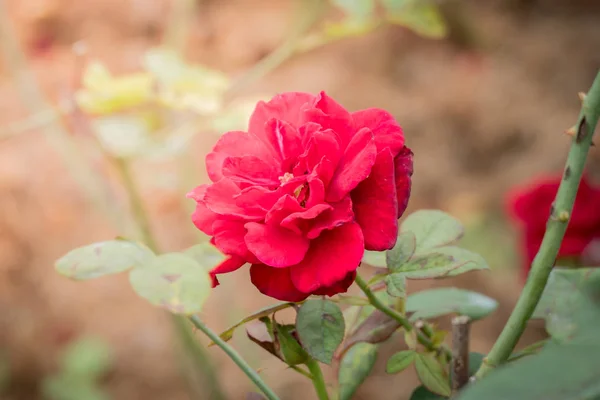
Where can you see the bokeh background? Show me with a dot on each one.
(483, 106)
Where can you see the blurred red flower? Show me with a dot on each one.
(529, 206)
(304, 193)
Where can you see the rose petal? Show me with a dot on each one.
(284, 107)
(230, 264)
(250, 171)
(375, 204)
(285, 206)
(354, 166)
(275, 246)
(220, 198)
(321, 144)
(285, 141)
(300, 221)
(340, 213)
(235, 144)
(386, 130)
(330, 258)
(403, 172)
(339, 287)
(229, 238)
(331, 115)
(202, 217)
(275, 282)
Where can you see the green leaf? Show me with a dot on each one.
(562, 370)
(172, 281)
(431, 374)
(355, 367)
(103, 258)
(402, 252)
(376, 328)
(432, 228)
(400, 361)
(375, 258)
(442, 262)
(320, 326)
(205, 254)
(396, 285)
(287, 345)
(263, 312)
(561, 297)
(422, 393)
(421, 17)
(441, 301)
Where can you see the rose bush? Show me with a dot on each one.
(529, 207)
(303, 193)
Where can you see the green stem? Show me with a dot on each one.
(192, 348)
(402, 320)
(555, 231)
(317, 379)
(235, 357)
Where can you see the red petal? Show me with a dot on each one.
(275, 282)
(376, 206)
(202, 217)
(234, 144)
(285, 107)
(230, 264)
(321, 144)
(330, 258)
(331, 115)
(285, 141)
(285, 206)
(386, 130)
(355, 165)
(403, 172)
(250, 171)
(299, 221)
(339, 287)
(275, 246)
(220, 198)
(340, 213)
(229, 238)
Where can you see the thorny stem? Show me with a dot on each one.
(555, 231)
(402, 320)
(235, 356)
(317, 379)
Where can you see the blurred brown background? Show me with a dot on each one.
(483, 109)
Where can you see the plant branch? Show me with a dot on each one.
(235, 357)
(555, 231)
(402, 320)
(460, 352)
(317, 379)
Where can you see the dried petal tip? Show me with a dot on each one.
(581, 96)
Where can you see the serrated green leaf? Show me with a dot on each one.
(375, 258)
(172, 281)
(103, 258)
(396, 285)
(400, 361)
(432, 228)
(320, 327)
(561, 297)
(205, 254)
(402, 252)
(431, 374)
(355, 367)
(442, 262)
(441, 301)
(263, 312)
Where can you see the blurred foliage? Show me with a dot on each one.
(82, 365)
(156, 111)
(4, 372)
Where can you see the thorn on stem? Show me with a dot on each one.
(563, 216)
(582, 96)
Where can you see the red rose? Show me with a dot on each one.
(530, 207)
(304, 193)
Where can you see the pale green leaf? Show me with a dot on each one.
(441, 301)
(432, 228)
(396, 285)
(442, 262)
(403, 250)
(431, 374)
(173, 281)
(400, 361)
(103, 258)
(355, 367)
